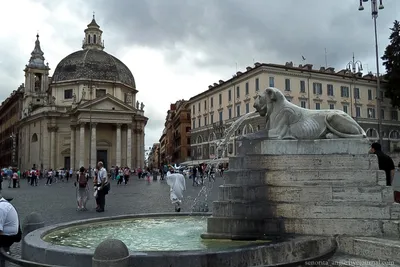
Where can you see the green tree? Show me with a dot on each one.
(391, 61)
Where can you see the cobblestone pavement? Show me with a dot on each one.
(57, 203)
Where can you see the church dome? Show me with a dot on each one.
(93, 64)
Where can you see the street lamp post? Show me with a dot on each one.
(355, 66)
(374, 12)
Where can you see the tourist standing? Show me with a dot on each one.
(103, 187)
(82, 189)
(49, 177)
(9, 225)
(384, 161)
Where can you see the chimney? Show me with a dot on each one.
(221, 81)
(257, 64)
(308, 66)
(215, 84)
(210, 87)
(289, 64)
(238, 73)
(322, 69)
(331, 70)
(248, 68)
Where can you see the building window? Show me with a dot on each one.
(287, 84)
(94, 39)
(303, 104)
(220, 116)
(205, 105)
(194, 110)
(229, 95)
(237, 91)
(212, 102)
(345, 108)
(317, 106)
(68, 94)
(199, 122)
(100, 92)
(229, 113)
(302, 86)
(34, 138)
(220, 99)
(331, 106)
(194, 124)
(211, 118)
(356, 93)
(344, 91)
(238, 111)
(205, 121)
(317, 88)
(329, 89)
(382, 114)
(198, 105)
(371, 113)
(247, 108)
(358, 112)
(247, 88)
(369, 94)
(271, 82)
(394, 115)
(257, 84)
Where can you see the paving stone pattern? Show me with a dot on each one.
(57, 203)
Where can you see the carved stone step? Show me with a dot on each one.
(383, 249)
(245, 177)
(345, 211)
(296, 194)
(305, 162)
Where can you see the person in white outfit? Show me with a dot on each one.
(177, 183)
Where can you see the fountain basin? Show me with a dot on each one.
(153, 240)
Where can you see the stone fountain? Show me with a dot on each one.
(307, 173)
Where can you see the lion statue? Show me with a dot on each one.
(288, 121)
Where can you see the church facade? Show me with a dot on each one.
(85, 113)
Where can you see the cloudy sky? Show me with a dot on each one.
(176, 48)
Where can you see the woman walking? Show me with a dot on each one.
(82, 190)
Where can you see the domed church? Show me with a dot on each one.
(85, 113)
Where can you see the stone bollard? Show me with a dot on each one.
(111, 253)
(32, 222)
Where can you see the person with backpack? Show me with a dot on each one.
(82, 190)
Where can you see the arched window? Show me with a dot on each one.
(371, 132)
(245, 130)
(199, 139)
(89, 39)
(94, 39)
(212, 137)
(34, 138)
(394, 134)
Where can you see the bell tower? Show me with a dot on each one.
(36, 78)
(93, 38)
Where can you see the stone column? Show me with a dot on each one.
(53, 144)
(93, 152)
(129, 146)
(72, 147)
(82, 145)
(142, 146)
(118, 146)
(137, 149)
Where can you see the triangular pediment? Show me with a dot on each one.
(106, 103)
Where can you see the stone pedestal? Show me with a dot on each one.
(316, 187)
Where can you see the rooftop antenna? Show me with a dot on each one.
(93, 14)
(303, 58)
(236, 67)
(326, 59)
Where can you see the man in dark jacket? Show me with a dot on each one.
(384, 161)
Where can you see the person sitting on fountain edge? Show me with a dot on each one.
(10, 230)
(177, 183)
(384, 161)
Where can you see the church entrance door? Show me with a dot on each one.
(102, 156)
(67, 163)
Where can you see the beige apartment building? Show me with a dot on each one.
(216, 108)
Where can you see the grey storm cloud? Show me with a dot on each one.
(228, 31)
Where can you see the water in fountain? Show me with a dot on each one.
(200, 204)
